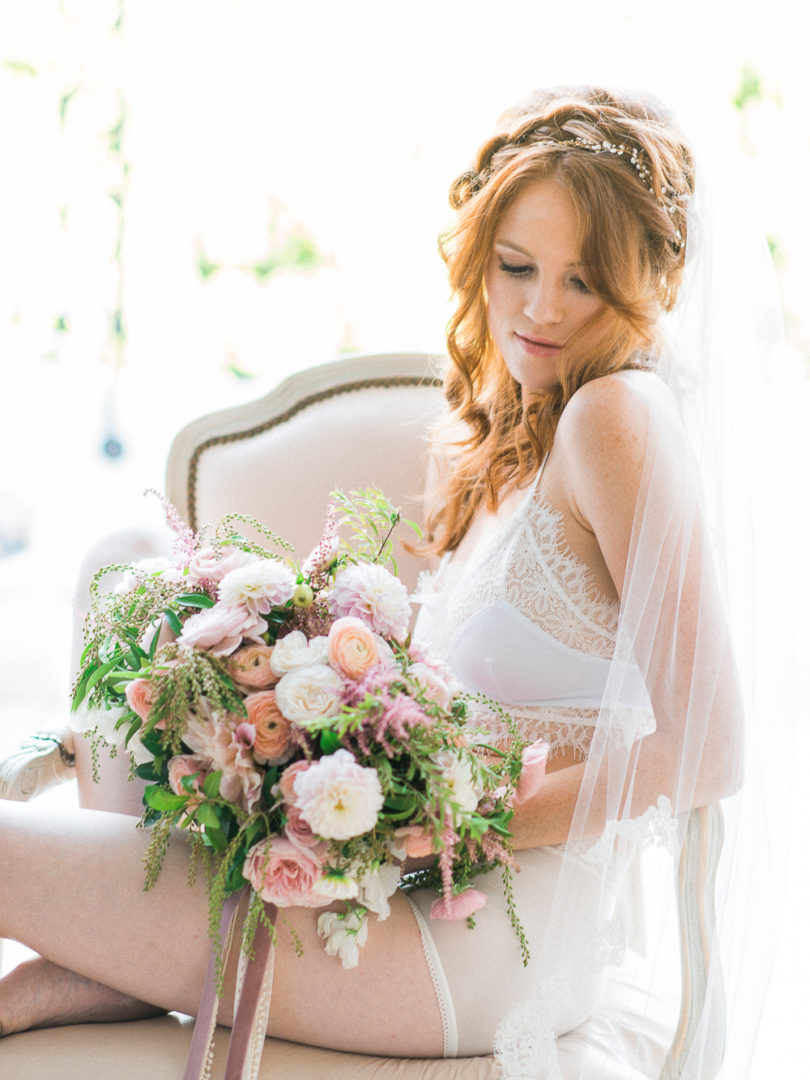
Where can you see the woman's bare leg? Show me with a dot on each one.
(38, 993)
(71, 888)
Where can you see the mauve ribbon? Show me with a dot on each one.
(248, 1010)
(202, 1040)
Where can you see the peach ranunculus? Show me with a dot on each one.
(416, 841)
(272, 742)
(250, 666)
(141, 694)
(354, 649)
(284, 873)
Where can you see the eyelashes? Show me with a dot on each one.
(519, 270)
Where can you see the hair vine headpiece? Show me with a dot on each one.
(632, 153)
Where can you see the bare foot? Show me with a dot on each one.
(38, 994)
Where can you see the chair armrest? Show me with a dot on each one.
(702, 1017)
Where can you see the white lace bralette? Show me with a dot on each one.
(523, 623)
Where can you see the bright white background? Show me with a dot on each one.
(156, 154)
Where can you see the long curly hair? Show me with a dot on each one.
(631, 214)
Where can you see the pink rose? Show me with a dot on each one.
(532, 773)
(212, 564)
(458, 907)
(141, 694)
(353, 648)
(221, 629)
(187, 765)
(250, 666)
(285, 873)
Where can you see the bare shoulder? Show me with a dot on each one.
(604, 426)
(602, 441)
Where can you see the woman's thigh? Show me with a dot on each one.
(71, 887)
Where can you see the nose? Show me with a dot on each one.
(544, 303)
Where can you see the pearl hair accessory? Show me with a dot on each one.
(632, 153)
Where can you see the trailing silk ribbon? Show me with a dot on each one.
(251, 1010)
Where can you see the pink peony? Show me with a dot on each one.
(220, 629)
(285, 873)
(337, 797)
(354, 649)
(369, 592)
(250, 666)
(458, 907)
(533, 772)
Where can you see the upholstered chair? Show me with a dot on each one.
(359, 422)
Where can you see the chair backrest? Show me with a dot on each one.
(358, 422)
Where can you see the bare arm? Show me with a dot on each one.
(694, 756)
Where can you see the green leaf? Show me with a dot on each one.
(158, 798)
(211, 784)
(99, 674)
(195, 600)
(216, 839)
(330, 742)
(173, 621)
(207, 815)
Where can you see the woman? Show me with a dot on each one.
(576, 586)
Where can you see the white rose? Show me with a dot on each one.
(344, 934)
(309, 692)
(294, 651)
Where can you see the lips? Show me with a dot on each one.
(538, 346)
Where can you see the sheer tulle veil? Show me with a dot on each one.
(689, 620)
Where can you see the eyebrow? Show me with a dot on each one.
(527, 254)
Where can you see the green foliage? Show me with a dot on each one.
(749, 90)
(296, 252)
(371, 520)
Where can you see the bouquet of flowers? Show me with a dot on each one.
(281, 713)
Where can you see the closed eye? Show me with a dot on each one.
(580, 285)
(515, 269)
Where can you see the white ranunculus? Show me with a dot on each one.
(294, 651)
(431, 683)
(338, 798)
(343, 934)
(458, 778)
(309, 692)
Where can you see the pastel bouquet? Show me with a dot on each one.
(281, 714)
